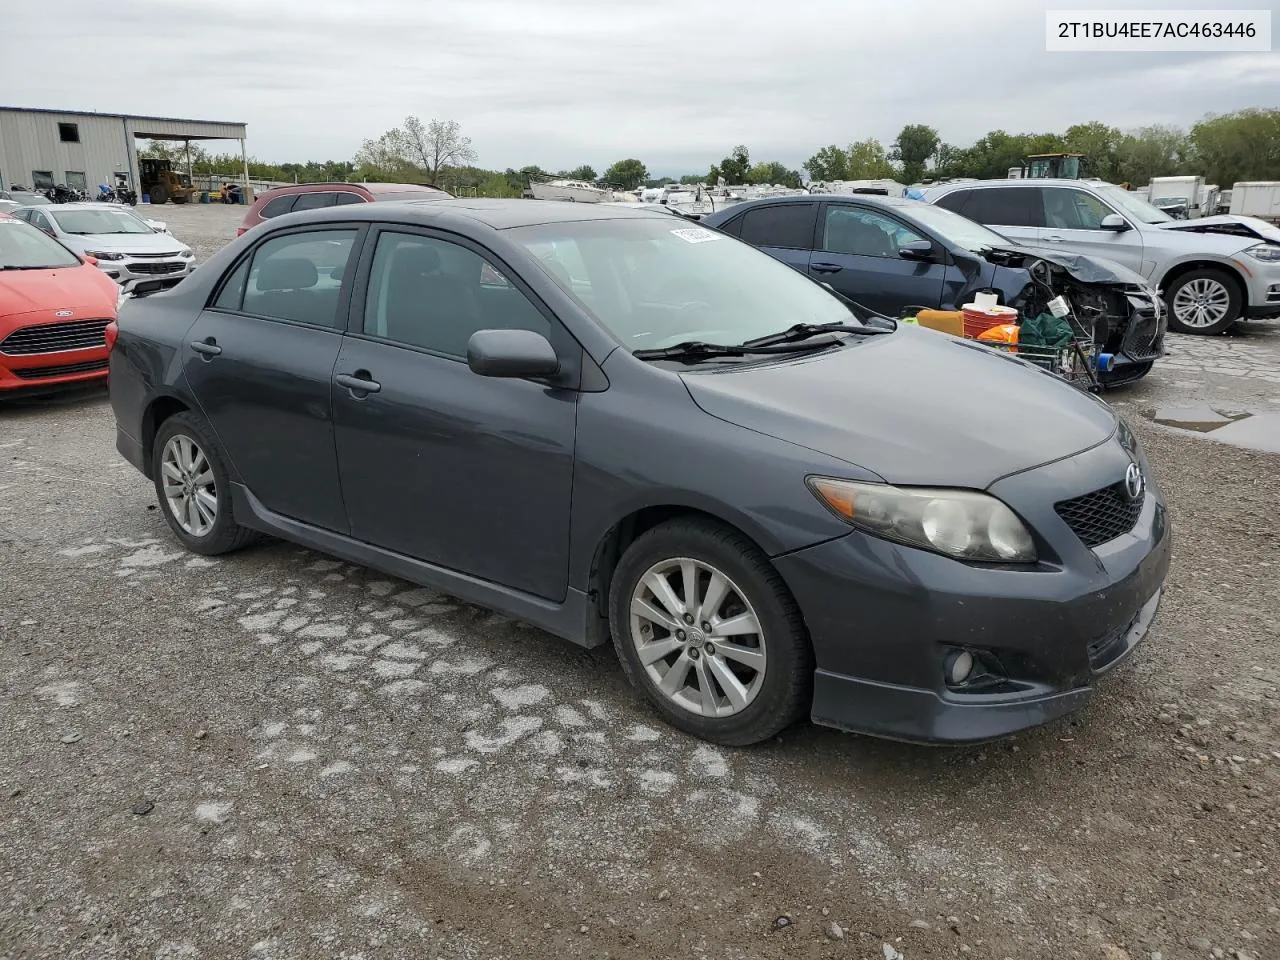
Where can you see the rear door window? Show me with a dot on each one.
(315, 200)
(278, 206)
(345, 197)
(1005, 206)
(787, 225)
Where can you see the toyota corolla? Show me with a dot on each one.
(620, 426)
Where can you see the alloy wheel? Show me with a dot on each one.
(189, 485)
(697, 637)
(1201, 302)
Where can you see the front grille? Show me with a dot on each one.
(149, 256)
(65, 370)
(55, 337)
(1144, 335)
(157, 267)
(1101, 516)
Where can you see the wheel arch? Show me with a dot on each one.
(159, 410)
(1184, 267)
(614, 541)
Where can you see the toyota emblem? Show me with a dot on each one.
(1133, 482)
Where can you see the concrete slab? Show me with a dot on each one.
(1258, 432)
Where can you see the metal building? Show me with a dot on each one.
(40, 148)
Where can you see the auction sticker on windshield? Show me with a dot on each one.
(696, 234)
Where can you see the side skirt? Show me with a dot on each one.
(568, 620)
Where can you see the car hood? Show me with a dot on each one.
(1249, 228)
(83, 289)
(916, 407)
(126, 242)
(1083, 267)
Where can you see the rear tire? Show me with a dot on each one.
(1204, 302)
(740, 669)
(193, 487)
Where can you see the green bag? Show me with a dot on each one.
(1046, 331)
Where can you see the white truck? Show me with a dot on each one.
(1257, 198)
(1180, 197)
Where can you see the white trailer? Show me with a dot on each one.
(1257, 198)
(1166, 192)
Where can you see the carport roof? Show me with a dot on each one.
(154, 128)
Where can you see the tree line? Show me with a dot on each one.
(1225, 149)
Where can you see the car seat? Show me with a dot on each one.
(426, 307)
(285, 289)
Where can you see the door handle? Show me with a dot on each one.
(359, 384)
(207, 348)
(1056, 239)
(825, 267)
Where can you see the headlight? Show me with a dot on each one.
(957, 523)
(104, 255)
(1267, 252)
(186, 254)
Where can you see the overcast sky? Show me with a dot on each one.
(675, 83)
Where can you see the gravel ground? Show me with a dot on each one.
(280, 755)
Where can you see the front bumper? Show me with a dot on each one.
(132, 270)
(884, 619)
(1263, 285)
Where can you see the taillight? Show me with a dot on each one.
(110, 333)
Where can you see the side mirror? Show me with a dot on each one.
(921, 250)
(1113, 221)
(512, 354)
(91, 261)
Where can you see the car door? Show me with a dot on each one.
(260, 364)
(1016, 212)
(858, 253)
(437, 463)
(782, 230)
(1073, 219)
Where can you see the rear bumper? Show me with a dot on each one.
(885, 619)
(131, 449)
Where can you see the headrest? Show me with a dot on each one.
(416, 258)
(287, 273)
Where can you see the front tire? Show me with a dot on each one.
(708, 631)
(1204, 302)
(193, 487)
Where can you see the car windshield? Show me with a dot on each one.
(23, 247)
(960, 231)
(655, 281)
(85, 222)
(1133, 205)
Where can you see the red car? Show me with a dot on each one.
(314, 196)
(55, 308)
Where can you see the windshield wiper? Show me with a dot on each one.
(803, 331)
(694, 350)
(33, 267)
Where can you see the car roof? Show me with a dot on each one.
(1017, 182)
(374, 188)
(498, 214)
(865, 199)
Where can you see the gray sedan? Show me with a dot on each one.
(620, 426)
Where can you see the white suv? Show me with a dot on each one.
(1212, 271)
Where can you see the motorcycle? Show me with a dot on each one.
(61, 193)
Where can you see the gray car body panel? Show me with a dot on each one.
(733, 441)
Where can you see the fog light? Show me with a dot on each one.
(959, 667)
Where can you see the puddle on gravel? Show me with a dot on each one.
(1251, 430)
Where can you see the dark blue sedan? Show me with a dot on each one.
(892, 255)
